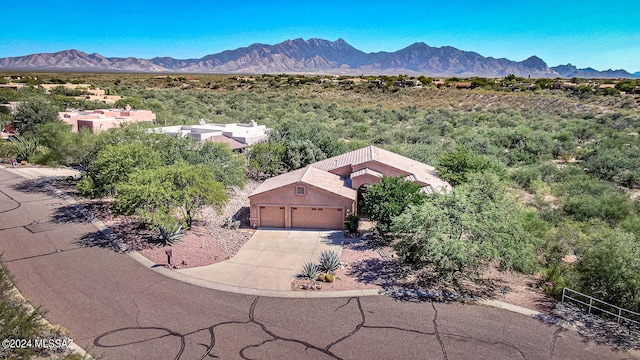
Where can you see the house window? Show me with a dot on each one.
(300, 190)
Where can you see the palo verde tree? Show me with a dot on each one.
(389, 198)
(610, 270)
(266, 158)
(456, 166)
(157, 194)
(114, 164)
(459, 233)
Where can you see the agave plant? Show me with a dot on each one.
(310, 270)
(329, 261)
(170, 234)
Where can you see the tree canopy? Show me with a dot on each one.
(458, 234)
(156, 194)
(389, 198)
(32, 113)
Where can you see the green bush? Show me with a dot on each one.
(351, 222)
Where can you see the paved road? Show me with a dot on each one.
(117, 308)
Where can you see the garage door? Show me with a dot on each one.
(272, 216)
(317, 218)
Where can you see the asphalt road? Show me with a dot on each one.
(118, 309)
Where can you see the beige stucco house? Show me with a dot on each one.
(320, 195)
(103, 119)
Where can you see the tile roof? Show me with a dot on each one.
(421, 172)
(308, 175)
(317, 174)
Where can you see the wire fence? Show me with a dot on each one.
(599, 307)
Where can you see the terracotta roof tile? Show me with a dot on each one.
(317, 174)
(308, 175)
(421, 172)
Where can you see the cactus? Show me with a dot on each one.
(231, 223)
(329, 261)
(321, 277)
(171, 234)
(330, 278)
(310, 270)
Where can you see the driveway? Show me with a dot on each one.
(271, 259)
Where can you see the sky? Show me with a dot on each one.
(588, 33)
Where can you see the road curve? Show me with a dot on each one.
(118, 309)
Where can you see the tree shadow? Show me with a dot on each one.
(381, 272)
(71, 214)
(97, 239)
(243, 215)
(39, 186)
(623, 336)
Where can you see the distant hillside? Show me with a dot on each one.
(570, 71)
(314, 56)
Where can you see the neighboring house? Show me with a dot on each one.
(439, 83)
(561, 85)
(320, 195)
(462, 85)
(237, 136)
(12, 86)
(48, 87)
(100, 120)
(106, 99)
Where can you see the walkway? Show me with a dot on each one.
(119, 309)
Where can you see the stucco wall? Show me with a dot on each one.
(387, 170)
(286, 196)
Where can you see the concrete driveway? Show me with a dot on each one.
(271, 259)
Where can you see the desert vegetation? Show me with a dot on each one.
(545, 181)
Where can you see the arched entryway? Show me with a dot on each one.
(362, 190)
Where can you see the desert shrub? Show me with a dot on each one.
(610, 270)
(351, 222)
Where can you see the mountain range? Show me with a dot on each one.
(313, 56)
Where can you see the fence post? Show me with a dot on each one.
(619, 314)
(563, 290)
(590, 303)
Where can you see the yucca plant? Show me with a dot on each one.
(170, 234)
(329, 261)
(310, 270)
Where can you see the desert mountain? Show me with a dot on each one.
(312, 56)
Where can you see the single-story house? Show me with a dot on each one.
(237, 136)
(103, 119)
(320, 194)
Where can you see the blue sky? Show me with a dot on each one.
(595, 33)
